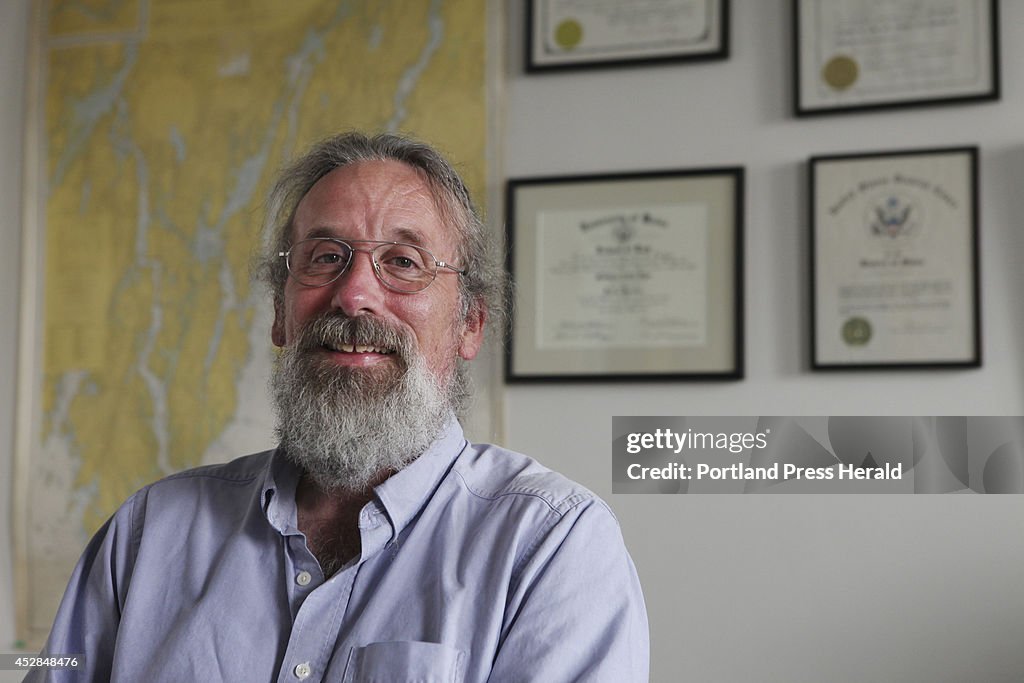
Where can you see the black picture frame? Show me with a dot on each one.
(554, 45)
(626, 276)
(847, 65)
(895, 270)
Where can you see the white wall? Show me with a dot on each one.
(743, 588)
(796, 588)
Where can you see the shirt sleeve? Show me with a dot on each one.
(90, 611)
(577, 611)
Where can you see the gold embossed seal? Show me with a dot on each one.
(856, 331)
(568, 34)
(840, 72)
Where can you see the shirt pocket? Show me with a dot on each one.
(405, 662)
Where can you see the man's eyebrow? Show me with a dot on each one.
(407, 235)
(399, 234)
(321, 231)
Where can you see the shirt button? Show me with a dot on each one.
(303, 579)
(302, 670)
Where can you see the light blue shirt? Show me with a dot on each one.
(477, 564)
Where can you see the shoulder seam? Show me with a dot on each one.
(560, 507)
(211, 472)
(198, 473)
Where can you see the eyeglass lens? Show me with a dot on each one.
(317, 262)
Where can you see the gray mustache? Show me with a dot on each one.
(333, 329)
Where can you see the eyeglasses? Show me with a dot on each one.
(319, 261)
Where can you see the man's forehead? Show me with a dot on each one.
(392, 195)
(378, 181)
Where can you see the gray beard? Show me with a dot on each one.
(348, 428)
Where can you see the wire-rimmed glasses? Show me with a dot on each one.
(402, 267)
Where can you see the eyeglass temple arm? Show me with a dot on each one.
(442, 264)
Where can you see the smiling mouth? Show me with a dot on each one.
(359, 348)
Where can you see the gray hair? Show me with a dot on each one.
(482, 287)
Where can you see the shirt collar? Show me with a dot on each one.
(402, 495)
(405, 493)
(278, 495)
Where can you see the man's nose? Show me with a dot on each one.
(358, 291)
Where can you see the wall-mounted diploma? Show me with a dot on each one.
(574, 33)
(631, 276)
(895, 259)
(854, 54)
(619, 278)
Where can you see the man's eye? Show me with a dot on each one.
(402, 262)
(327, 258)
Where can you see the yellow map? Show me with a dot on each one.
(163, 123)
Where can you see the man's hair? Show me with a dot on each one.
(482, 287)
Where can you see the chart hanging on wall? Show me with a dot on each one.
(155, 129)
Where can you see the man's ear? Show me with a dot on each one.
(277, 329)
(473, 332)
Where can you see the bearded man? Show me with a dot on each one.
(375, 543)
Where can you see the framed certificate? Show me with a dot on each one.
(894, 260)
(866, 54)
(626, 277)
(569, 34)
